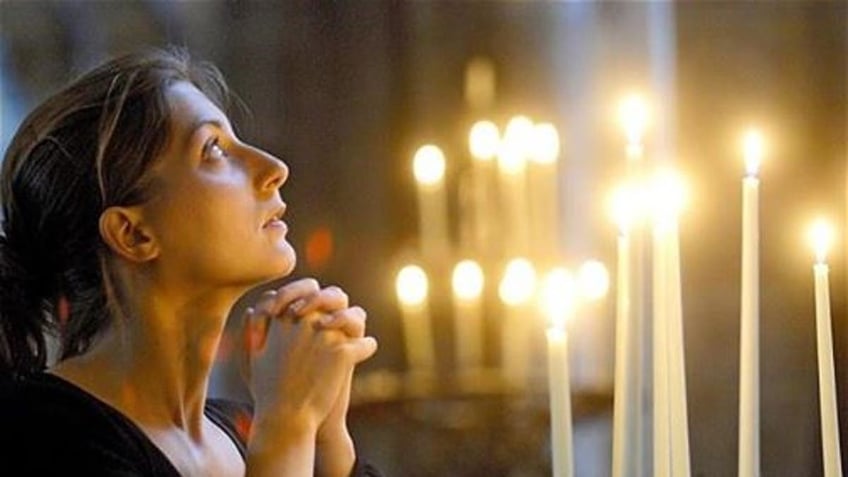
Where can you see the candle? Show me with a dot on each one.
(749, 355)
(671, 435)
(467, 284)
(429, 170)
(412, 286)
(558, 302)
(512, 168)
(543, 181)
(822, 235)
(626, 458)
(516, 289)
(483, 142)
(596, 368)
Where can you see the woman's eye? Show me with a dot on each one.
(213, 151)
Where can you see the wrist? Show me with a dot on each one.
(335, 454)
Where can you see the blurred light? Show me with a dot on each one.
(668, 195)
(627, 205)
(545, 143)
(411, 285)
(319, 248)
(558, 298)
(467, 280)
(634, 117)
(821, 238)
(429, 165)
(519, 282)
(484, 140)
(753, 146)
(593, 280)
(515, 147)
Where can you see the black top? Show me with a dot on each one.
(49, 426)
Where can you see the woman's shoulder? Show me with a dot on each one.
(50, 425)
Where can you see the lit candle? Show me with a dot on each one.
(671, 441)
(634, 117)
(543, 181)
(483, 142)
(516, 290)
(627, 393)
(412, 290)
(429, 170)
(467, 284)
(558, 302)
(512, 167)
(749, 355)
(822, 235)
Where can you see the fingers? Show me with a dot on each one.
(300, 298)
(360, 349)
(286, 296)
(350, 321)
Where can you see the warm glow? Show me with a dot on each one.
(467, 280)
(519, 282)
(753, 150)
(483, 140)
(668, 195)
(821, 238)
(593, 280)
(411, 285)
(558, 297)
(429, 165)
(545, 143)
(627, 206)
(634, 118)
(516, 145)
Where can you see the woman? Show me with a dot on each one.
(134, 218)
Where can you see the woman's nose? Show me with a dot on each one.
(272, 172)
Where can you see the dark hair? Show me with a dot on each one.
(88, 147)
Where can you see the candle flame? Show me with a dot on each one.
(634, 117)
(593, 280)
(483, 140)
(411, 285)
(668, 195)
(545, 143)
(753, 146)
(821, 238)
(518, 283)
(558, 297)
(428, 165)
(627, 205)
(516, 145)
(467, 280)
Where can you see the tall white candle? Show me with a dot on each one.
(412, 290)
(626, 458)
(662, 438)
(822, 236)
(429, 170)
(678, 413)
(512, 188)
(543, 179)
(483, 142)
(558, 302)
(516, 290)
(749, 355)
(467, 281)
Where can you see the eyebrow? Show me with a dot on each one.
(199, 124)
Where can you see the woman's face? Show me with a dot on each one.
(216, 208)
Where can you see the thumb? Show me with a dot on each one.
(361, 349)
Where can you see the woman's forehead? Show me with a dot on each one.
(190, 108)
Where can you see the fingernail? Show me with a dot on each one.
(297, 305)
(326, 319)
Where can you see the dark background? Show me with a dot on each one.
(345, 92)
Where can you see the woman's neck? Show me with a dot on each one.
(154, 363)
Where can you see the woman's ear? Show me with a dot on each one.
(125, 233)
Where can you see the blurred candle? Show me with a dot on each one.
(467, 284)
(634, 117)
(543, 171)
(429, 170)
(558, 297)
(822, 235)
(512, 168)
(412, 286)
(483, 142)
(516, 290)
(627, 392)
(749, 356)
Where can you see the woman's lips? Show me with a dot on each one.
(276, 224)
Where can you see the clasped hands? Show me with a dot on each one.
(302, 343)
